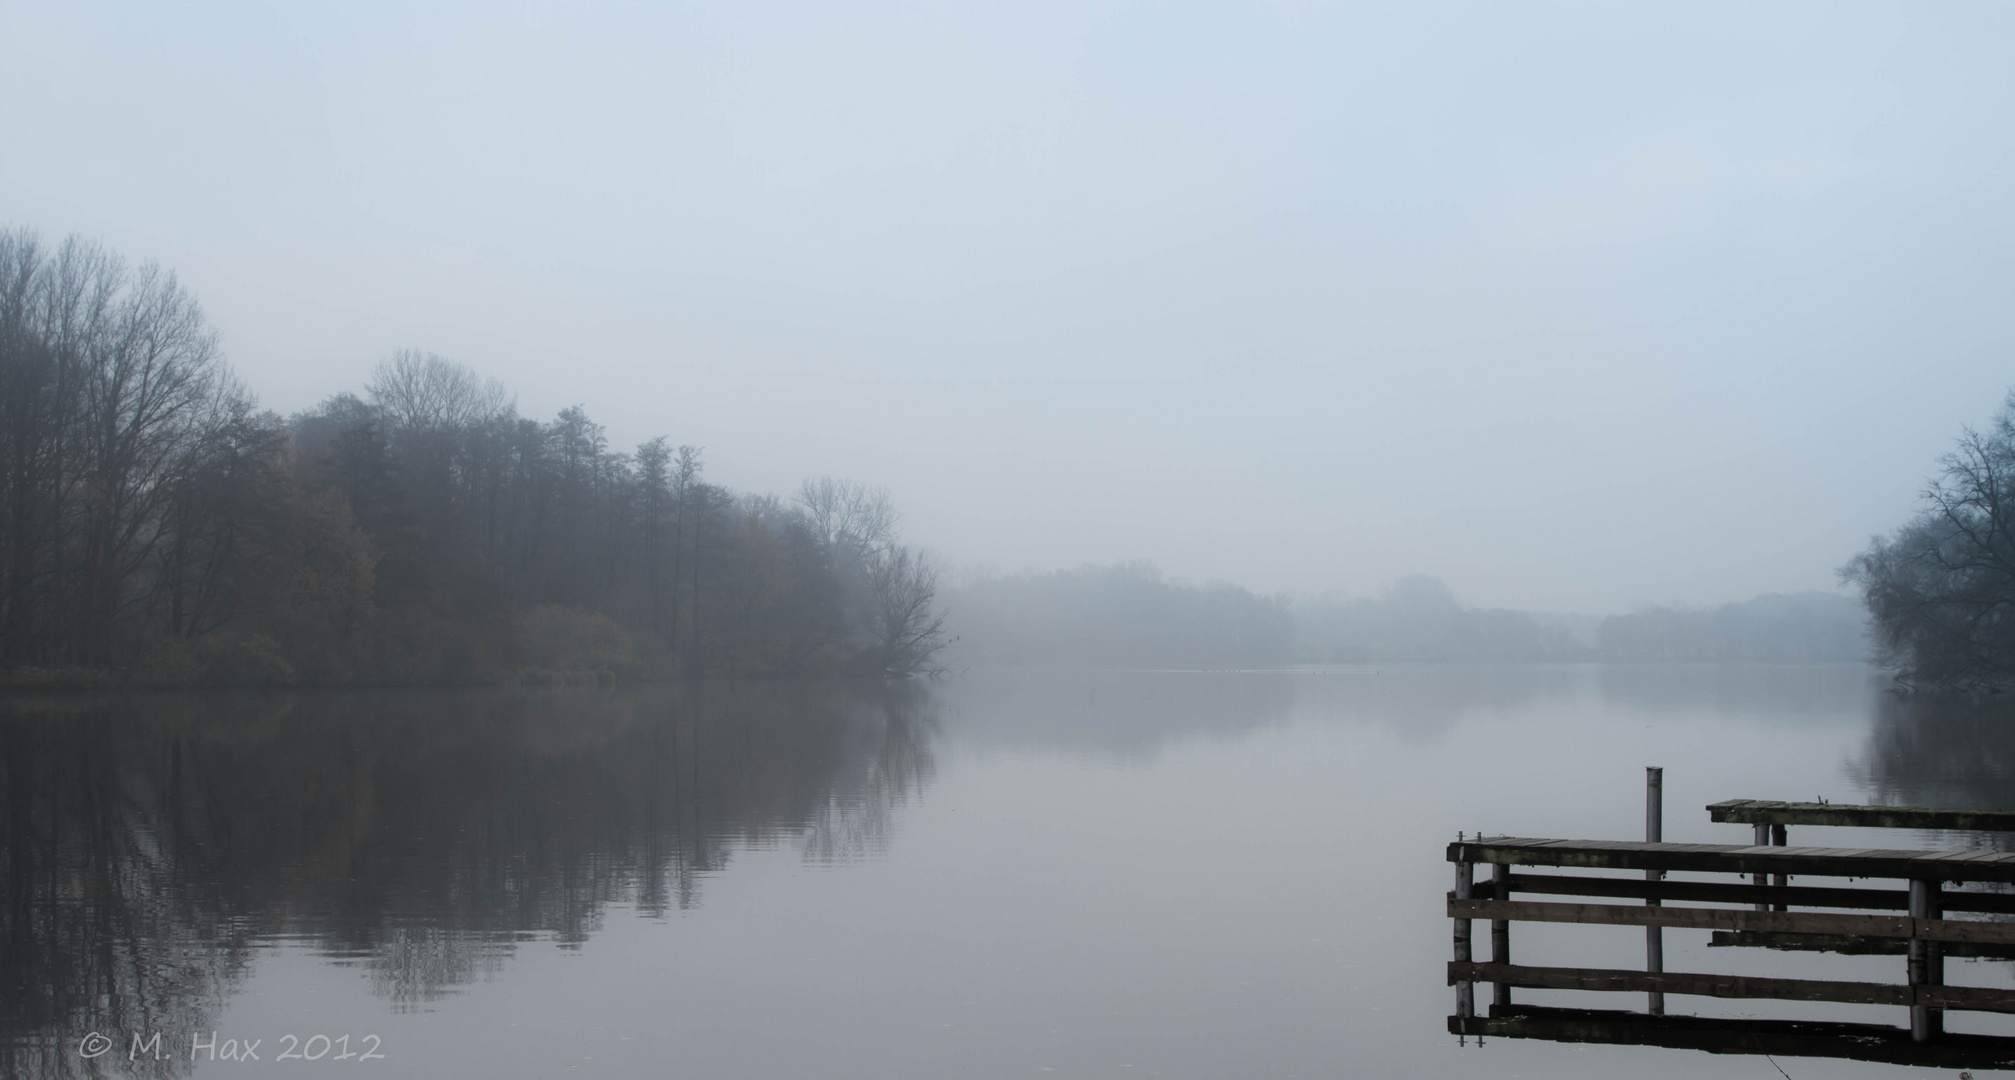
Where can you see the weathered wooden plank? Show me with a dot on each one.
(1679, 982)
(1764, 812)
(1968, 998)
(1789, 922)
(1712, 892)
(1784, 922)
(1846, 945)
(1714, 1035)
(1733, 859)
(1978, 933)
(1953, 856)
(1744, 893)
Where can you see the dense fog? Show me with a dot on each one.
(1129, 615)
(1575, 308)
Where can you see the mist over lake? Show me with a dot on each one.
(932, 540)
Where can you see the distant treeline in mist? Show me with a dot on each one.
(1128, 615)
(1788, 627)
(157, 526)
(1419, 620)
(1125, 615)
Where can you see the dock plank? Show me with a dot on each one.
(1968, 998)
(1717, 892)
(1733, 859)
(1783, 922)
(1849, 946)
(1766, 812)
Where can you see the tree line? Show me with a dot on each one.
(157, 525)
(1124, 615)
(1801, 627)
(1941, 589)
(1127, 615)
(1418, 619)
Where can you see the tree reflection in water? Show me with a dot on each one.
(153, 843)
(1940, 750)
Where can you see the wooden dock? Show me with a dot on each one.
(1911, 920)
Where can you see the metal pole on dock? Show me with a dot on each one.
(1465, 991)
(1654, 833)
(1927, 961)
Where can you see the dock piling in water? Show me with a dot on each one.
(1465, 990)
(1654, 832)
(1500, 935)
(1926, 960)
(1762, 832)
(1778, 839)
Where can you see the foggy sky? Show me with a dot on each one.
(1576, 306)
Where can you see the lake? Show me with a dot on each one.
(1004, 874)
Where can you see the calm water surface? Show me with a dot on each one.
(1005, 875)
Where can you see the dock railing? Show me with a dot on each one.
(1911, 918)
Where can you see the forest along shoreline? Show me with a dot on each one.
(158, 529)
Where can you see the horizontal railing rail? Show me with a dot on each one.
(1783, 922)
(1738, 893)
(1768, 812)
(1985, 866)
(1849, 945)
(1973, 998)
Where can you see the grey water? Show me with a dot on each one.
(1004, 874)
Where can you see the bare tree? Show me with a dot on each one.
(685, 481)
(153, 366)
(853, 520)
(909, 630)
(654, 483)
(110, 385)
(229, 495)
(417, 390)
(1942, 589)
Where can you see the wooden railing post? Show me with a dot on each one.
(1465, 991)
(1927, 961)
(1654, 831)
(1777, 839)
(1762, 834)
(1500, 935)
